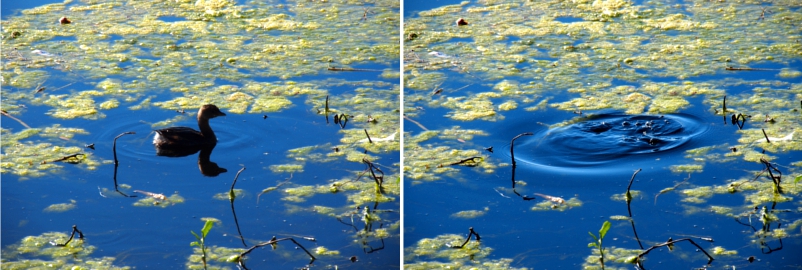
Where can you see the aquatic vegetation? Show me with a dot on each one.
(38, 251)
(155, 202)
(470, 213)
(61, 207)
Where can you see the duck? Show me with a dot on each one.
(185, 137)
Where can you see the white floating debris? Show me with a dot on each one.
(439, 54)
(42, 53)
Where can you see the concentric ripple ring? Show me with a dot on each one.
(605, 138)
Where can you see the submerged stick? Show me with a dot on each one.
(415, 122)
(14, 118)
(472, 233)
(724, 109)
(670, 243)
(750, 69)
(352, 69)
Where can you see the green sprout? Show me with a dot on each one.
(598, 241)
(202, 239)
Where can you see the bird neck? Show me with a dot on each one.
(205, 128)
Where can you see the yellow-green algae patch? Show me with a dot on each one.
(546, 205)
(470, 213)
(61, 207)
(217, 257)
(38, 251)
(26, 157)
(154, 202)
(441, 247)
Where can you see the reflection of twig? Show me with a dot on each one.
(231, 197)
(472, 233)
(114, 145)
(512, 157)
(629, 209)
(116, 163)
(669, 243)
(775, 179)
(379, 179)
(14, 118)
(415, 122)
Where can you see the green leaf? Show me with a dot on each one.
(594, 237)
(206, 228)
(605, 227)
(196, 235)
(798, 177)
(194, 244)
(592, 245)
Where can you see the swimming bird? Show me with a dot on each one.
(185, 137)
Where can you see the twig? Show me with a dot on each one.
(775, 179)
(470, 162)
(512, 157)
(114, 145)
(379, 179)
(629, 208)
(74, 229)
(472, 233)
(273, 243)
(639, 261)
(231, 191)
(66, 159)
(764, 135)
(366, 134)
(14, 118)
(671, 188)
(326, 111)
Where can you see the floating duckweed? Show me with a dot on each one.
(325, 210)
(719, 250)
(550, 205)
(690, 168)
(287, 168)
(154, 202)
(60, 207)
(75, 255)
(224, 196)
(323, 251)
(619, 217)
(216, 221)
(470, 213)
(721, 210)
(216, 257)
(622, 197)
(789, 73)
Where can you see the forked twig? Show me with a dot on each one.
(669, 243)
(472, 233)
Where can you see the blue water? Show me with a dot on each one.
(158, 238)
